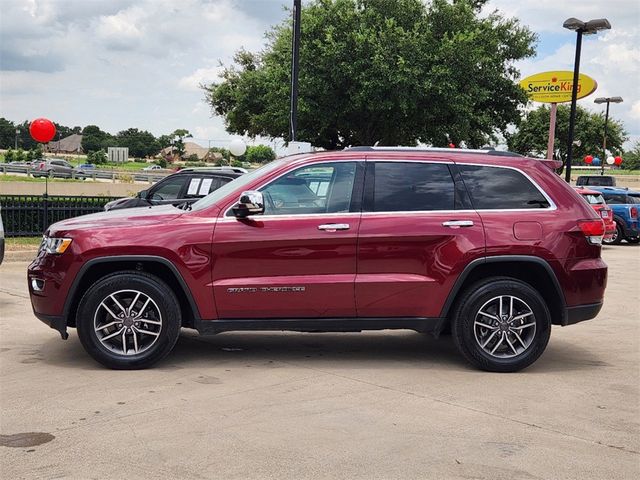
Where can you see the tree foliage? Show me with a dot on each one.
(139, 142)
(94, 139)
(533, 133)
(395, 72)
(631, 158)
(259, 154)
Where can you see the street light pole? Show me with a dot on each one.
(581, 28)
(574, 98)
(606, 100)
(295, 53)
(16, 144)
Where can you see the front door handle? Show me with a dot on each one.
(458, 223)
(332, 227)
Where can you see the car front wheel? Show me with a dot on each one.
(501, 325)
(128, 320)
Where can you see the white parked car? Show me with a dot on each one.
(151, 168)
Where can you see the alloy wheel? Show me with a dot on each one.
(127, 322)
(504, 326)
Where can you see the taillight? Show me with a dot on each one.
(593, 230)
(633, 211)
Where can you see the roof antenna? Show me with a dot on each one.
(376, 144)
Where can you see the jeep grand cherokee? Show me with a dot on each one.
(492, 246)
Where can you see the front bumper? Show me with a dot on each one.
(56, 322)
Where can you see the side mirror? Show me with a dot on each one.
(143, 193)
(251, 203)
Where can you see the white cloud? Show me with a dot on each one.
(199, 77)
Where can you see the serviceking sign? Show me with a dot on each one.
(555, 87)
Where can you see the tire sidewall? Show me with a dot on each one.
(475, 298)
(151, 286)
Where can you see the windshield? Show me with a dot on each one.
(594, 199)
(236, 184)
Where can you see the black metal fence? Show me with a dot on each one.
(31, 215)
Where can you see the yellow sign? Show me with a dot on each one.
(555, 87)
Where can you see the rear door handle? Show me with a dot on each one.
(332, 227)
(458, 223)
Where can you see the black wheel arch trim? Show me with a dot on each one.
(457, 286)
(128, 258)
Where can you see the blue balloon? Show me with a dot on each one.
(596, 161)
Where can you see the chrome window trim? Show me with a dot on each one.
(266, 184)
(552, 206)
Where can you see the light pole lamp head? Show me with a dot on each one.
(573, 24)
(616, 100)
(594, 26)
(608, 100)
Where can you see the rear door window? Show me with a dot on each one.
(412, 186)
(497, 188)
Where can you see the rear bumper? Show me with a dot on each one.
(580, 313)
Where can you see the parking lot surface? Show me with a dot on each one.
(387, 405)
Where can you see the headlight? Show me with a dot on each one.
(56, 245)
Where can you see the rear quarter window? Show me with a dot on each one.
(498, 188)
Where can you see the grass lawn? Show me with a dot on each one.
(24, 178)
(607, 171)
(22, 243)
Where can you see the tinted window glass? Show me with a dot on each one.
(615, 199)
(412, 186)
(500, 188)
(169, 189)
(324, 188)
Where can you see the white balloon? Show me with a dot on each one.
(610, 160)
(237, 147)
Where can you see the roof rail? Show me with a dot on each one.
(486, 151)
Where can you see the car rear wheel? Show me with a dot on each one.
(616, 238)
(501, 325)
(128, 320)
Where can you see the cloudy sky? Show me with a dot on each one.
(138, 63)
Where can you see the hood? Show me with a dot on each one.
(118, 202)
(128, 217)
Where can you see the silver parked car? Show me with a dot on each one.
(57, 167)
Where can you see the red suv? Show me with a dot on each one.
(489, 245)
(596, 200)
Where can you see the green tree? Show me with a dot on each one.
(140, 142)
(395, 72)
(98, 157)
(178, 142)
(259, 154)
(7, 133)
(94, 139)
(533, 133)
(631, 158)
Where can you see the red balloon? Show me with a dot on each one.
(617, 160)
(42, 130)
(452, 145)
(588, 159)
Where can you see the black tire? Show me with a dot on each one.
(163, 309)
(617, 237)
(466, 333)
